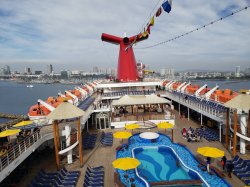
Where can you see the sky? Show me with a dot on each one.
(67, 34)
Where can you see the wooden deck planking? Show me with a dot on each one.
(106, 155)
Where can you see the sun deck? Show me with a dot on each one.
(106, 155)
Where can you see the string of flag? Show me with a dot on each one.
(166, 6)
(196, 29)
(150, 16)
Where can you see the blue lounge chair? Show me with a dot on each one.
(98, 168)
(93, 180)
(70, 172)
(67, 179)
(100, 177)
(38, 184)
(85, 185)
(93, 184)
(240, 166)
(49, 173)
(235, 159)
(58, 182)
(239, 162)
(247, 181)
(41, 175)
(94, 172)
(244, 175)
(72, 175)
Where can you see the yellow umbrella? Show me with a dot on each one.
(165, 125)
(126, 163)
(122, 135)
(210, 152)
(132, 126)
(23, 123)
(9, 132)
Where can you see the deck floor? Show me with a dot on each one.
(106, 155)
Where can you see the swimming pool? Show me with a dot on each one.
(187, 160)
(161, 164)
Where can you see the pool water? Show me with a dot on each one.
(161, 164)
(187, 160)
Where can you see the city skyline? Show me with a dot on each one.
(49, 69)
(70, 36)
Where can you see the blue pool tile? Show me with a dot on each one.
(185, 156)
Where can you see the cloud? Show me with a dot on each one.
(69, 32)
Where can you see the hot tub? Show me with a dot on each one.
(149, 136)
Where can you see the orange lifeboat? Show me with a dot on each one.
(191, 89)
(223, 95)
(38, 110)
(205, 90)
(77, 93)
(227, 95)
(90, 85)
(164, 83)
(85, 88)
(176, 85)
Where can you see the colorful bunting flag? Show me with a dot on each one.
(145, 34)
(158, 13)
(167, 5)
(152, 21)
(148, 29)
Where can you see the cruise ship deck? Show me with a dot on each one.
(99, 117)
(106, 155)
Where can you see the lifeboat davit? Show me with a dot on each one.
(43, 108)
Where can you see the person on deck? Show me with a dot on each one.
(223, 162)
(230, 168)
(184, 132)
(208, 164)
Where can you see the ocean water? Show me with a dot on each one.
(235, 85)
(17, 98)
(4, 120)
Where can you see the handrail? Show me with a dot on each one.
(199, 105)
(16, 150)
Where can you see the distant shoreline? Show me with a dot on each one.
(231, 80)
(55, 82)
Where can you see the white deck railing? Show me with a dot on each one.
(16, 150)
(199, 107)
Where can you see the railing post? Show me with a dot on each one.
(1, 167)
(7, 158)
(20, 151)
(29, 141)
(14, 155)
(24, 145)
